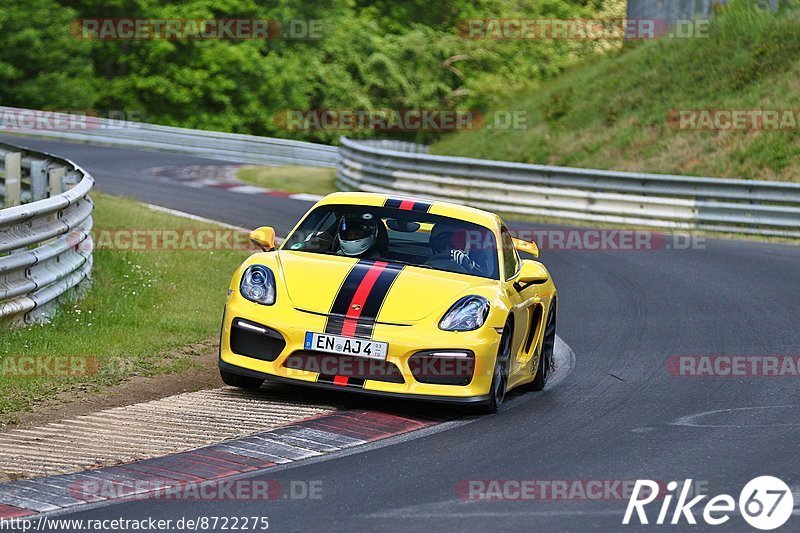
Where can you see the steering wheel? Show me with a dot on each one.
(484, 261)
(443, 262)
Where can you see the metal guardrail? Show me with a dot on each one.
(45, 245)
(658, 200)
(211, 144)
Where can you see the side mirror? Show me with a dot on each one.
(533, 273)
(263, 237)
(527, 247)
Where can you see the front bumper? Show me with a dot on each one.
(470, 400)
(403, 340)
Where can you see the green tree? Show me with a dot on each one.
(42, 65)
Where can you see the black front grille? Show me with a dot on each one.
(330, 364)
(255, 340)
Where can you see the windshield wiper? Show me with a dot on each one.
(408, 264)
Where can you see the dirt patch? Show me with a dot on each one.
(203, 374)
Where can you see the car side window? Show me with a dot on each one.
(328, 223)
(510, 257)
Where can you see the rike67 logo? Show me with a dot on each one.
(765, 503)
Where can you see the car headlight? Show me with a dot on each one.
(467, 314)
(258, 285)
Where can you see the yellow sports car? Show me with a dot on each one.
(392, 296)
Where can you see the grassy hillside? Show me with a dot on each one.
(612, 112)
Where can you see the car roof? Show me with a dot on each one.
(447, 209)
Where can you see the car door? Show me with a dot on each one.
(523, 301)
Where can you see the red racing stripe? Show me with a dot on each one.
(360, 298)
(340, 380)
(407, 205)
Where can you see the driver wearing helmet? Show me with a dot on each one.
(447, 255)
(357, 234)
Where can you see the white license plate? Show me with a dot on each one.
(322, 342)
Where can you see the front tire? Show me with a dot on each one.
(497, 390)
(548, 350)
(242, 382)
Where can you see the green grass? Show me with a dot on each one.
(293, 179)
(611, 112)
(142, 306)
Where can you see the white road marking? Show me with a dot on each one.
(478, 509)
(197, 177)
(307, 196)
(183, 214)
(248, 189)
(481, 514)
(694, 420)
(564, 361)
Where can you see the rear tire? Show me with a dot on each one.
(497, 390)
(548, 350)
(242, 382)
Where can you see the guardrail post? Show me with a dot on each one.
(56, 175)
(71, 178)
(38, 180)
(40, 239)
(13, 179)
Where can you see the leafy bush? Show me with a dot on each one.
(401, 54)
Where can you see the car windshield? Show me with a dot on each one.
(399, 236)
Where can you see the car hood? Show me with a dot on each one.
(313, 282)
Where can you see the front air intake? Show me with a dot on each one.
(254, 340)
(443, 367)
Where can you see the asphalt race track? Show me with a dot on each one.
(619, 415)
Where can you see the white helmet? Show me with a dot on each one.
(357, 233)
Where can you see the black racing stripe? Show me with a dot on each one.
(365, 324)
(334, 325)
(357, 383)
(375, 299)
(335, 321)
(423, 207)
(392, 202)
(364, 327)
